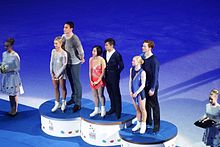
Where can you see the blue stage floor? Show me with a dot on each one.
(24, 130)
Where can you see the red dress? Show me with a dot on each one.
(96, 72)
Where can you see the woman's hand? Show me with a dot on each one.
(131, 94)
(135, 95)
(92, 83)
(54, 77)
(95, 83)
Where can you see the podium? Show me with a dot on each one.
(104, 131)
(107, 131)
(166, 137)
(60, 124)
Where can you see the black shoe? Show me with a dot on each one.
(76, 108)
(149, 123)
(70, 102)
(118, 116)
(110, 112)
(156, 129)
(12, 113)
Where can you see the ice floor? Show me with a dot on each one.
(186, 35)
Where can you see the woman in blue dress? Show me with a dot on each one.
(136, 88)
(211, 136)
(11, 81)
(58, 62)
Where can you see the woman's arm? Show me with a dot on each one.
(90, 74)
(129, 84)
(143, 81)
(15, 65)
(63, 65)
(51, 64)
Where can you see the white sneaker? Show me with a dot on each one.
(96, 111)
(134, 120)
(143, 128)
(137, 126)
(63, 106)
(103, 112)
(56, 106)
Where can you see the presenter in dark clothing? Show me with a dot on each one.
(151, 67)
(114, 66)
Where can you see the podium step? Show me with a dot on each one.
(104, 131)
(60, 124)
(164, 138)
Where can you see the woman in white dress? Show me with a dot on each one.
(58, 64)
(11, 81)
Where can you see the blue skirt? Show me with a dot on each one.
(211, 137)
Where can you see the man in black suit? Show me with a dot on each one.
(114, 66)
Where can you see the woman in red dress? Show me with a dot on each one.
(96, 71)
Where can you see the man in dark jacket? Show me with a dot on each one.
(151, 67)
(114, 66)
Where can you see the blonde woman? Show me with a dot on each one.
(136, 87)
(211, 135)
(58, 64)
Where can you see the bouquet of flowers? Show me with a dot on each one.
(3, 67)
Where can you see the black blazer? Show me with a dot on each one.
(115, 64)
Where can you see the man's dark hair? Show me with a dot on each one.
(111, 41)
(70, 23)
(98, 49)
(150, 43)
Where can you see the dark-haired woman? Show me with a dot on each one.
(96, 71)
(11, 82)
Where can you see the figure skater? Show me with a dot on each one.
(136, 87)
(58, 64)
(97, 67)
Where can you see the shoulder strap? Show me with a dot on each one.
(142, 55)
(132, 73)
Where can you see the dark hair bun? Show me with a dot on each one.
(11, 41)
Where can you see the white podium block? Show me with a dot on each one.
(61, 128)
(102, 134)
(60, 124)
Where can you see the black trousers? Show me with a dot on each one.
(112, 86)
(152, 104)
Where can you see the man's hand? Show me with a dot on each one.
(82, 61)
(151, 93)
